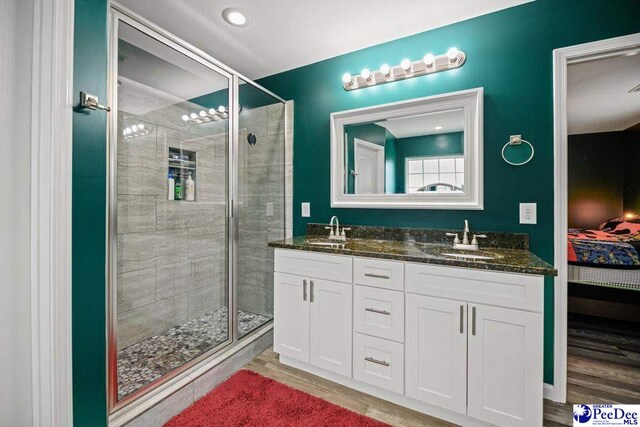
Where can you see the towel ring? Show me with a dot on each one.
(517, 140)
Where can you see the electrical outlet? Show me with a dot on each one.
(269, 209)
(528, 213)
(306, 209)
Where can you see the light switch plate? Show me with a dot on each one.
(528, 213)
(306, 209)
(269, 209)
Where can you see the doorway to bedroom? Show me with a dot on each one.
(597, 104)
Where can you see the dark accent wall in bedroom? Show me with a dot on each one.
(603, 177)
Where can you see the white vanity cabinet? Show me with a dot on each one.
(460, 344)
(313, 316)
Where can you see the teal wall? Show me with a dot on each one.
(509, 53)
(443, 144)
(89, 213)
(375, 134)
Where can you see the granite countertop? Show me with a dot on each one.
(511, 259)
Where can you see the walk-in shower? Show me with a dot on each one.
(192, 206)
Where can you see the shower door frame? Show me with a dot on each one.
(118, 13)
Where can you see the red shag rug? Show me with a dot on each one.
(249, 399)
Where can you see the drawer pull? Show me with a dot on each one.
(473, 321)
(311, 295)
(461, 319)
(375, 310)
(304, 290)
(379, 362)
(377, 276)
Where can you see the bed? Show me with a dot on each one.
(608, 256)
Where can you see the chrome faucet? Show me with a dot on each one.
(336, 233)
(473, 246)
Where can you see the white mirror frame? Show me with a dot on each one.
(471, 101)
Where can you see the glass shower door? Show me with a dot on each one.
(261, 203)
(169, 168)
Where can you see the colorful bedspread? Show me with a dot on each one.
(603, 248)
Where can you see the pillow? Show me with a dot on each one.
(613, 223)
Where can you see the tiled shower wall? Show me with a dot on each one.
(172, 262)
(172, 255)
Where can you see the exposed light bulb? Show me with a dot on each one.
(185, 117)
(212, 111)
(134, 128)
(124, 131)
(346, 78)
(406, 64)
(203, 113)
(429, 59)
(385, 69)
(140, 126)
(222, 109)
(365, 73)
(452, 53)
(194, 116)
(128, 130)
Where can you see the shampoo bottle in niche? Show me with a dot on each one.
(189, 189)
(171, 182)
(178, 188)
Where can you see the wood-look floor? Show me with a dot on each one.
(603, 367)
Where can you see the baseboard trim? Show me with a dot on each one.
(549, 392)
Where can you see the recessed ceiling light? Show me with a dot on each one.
(236, 16)
(438, 127)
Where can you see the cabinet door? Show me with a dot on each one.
(291, 311)
(505, 366)
(436, 352)
(331, 322)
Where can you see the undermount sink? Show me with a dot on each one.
(469, 256)
(327, 242)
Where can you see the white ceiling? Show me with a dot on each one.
(424, 124)
(598, 98)
(286, 34)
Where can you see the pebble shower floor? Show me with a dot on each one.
(146, 361)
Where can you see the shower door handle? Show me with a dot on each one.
(304, 290)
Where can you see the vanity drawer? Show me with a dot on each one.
(378, 273)
(378, 312)
(378, 362)
(511, 290)
(336, 268)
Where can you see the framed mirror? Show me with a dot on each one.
(423, 153)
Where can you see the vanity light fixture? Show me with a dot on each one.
(205, 116)
(429, 64)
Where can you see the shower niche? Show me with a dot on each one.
(181, 175)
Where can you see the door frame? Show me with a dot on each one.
(50, 215)
(561, 59)
(374, 147)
